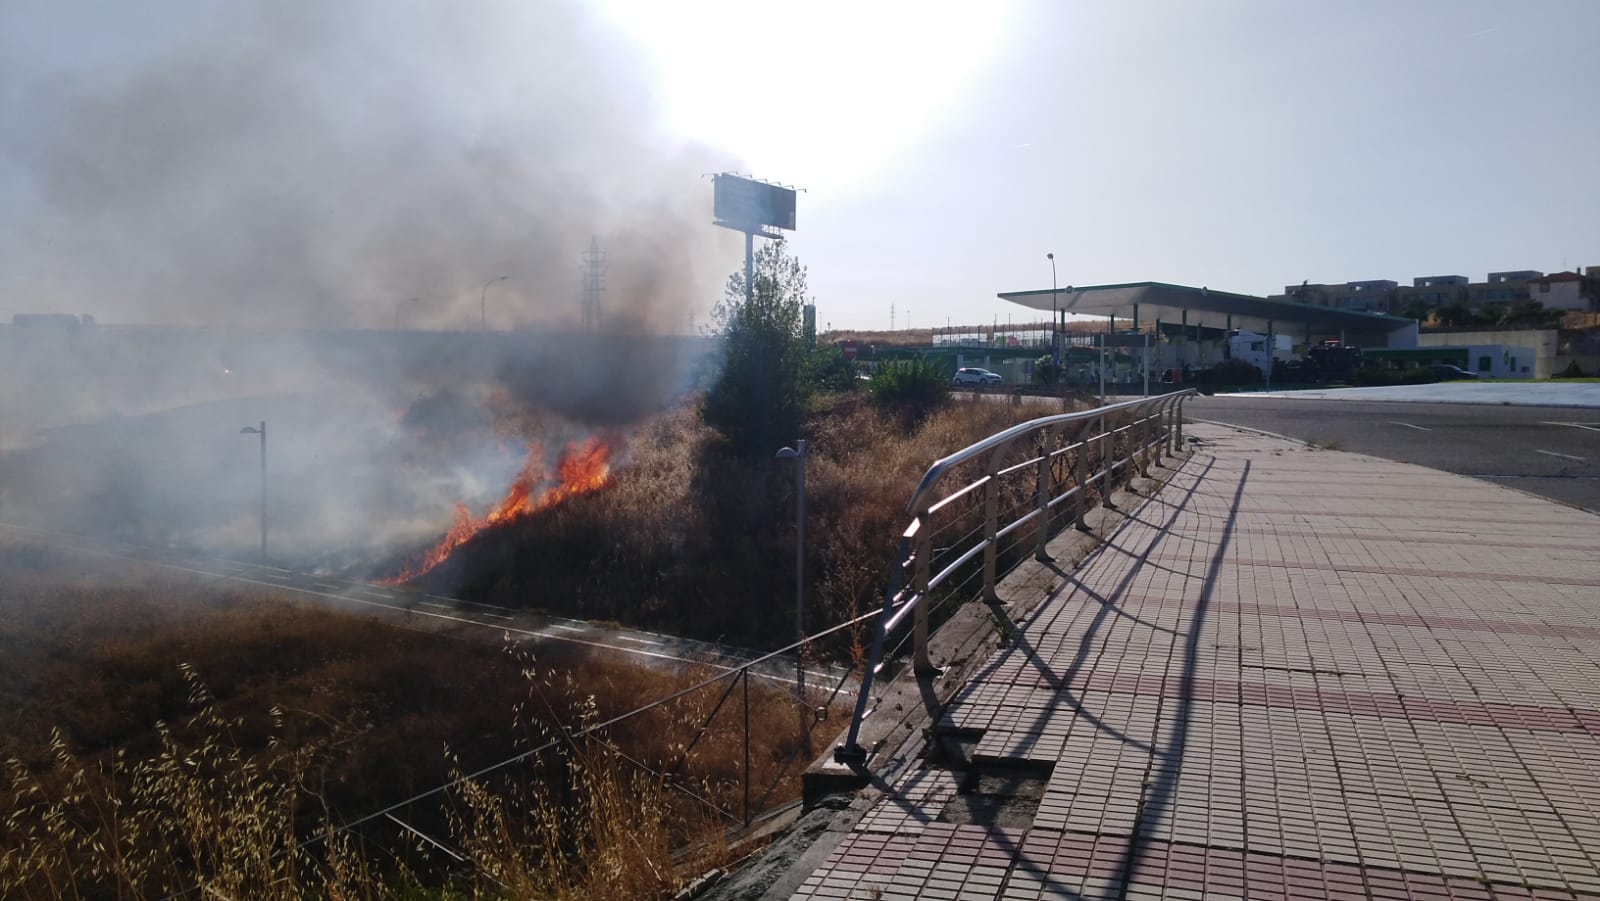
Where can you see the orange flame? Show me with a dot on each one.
(582, 467)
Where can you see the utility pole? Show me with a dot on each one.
(262, 431)
(798, 455)
(483, 319)
(594, 284)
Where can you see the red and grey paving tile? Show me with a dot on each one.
(1296, 673)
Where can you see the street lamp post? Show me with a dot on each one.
(798, 455)
(262, 431)
(483, 319)
(1055, 353)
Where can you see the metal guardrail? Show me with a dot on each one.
(1016, 490)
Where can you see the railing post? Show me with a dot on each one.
(921, 572)
(850, 751)
(1180, 423)
(1107, 463)
(1144, 431)
(1080, 472)
(1047, 448)
(1158, 432)
(991, 528)
(747, 747)
(1173, 412)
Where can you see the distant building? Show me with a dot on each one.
(1559, 291)
(1432, 291)
(1362, 297)
(1518, 353)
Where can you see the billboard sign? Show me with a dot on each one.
(751, 206)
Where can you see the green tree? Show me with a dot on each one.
(760, 396)
(1453, 314)
(1416, 309)
(1045, 371)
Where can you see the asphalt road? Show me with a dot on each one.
(1549, 451)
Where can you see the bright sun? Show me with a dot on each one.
(822, 92)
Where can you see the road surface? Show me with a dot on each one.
(1553, 452)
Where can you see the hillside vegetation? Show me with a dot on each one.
(164, 732)
(690, 539)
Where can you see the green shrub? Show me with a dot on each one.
(913, 387)
(827, 370)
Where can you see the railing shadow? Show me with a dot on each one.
(1168, 759)
(1108, 609)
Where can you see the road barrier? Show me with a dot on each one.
(979, 511)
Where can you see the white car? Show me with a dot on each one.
(972, 375)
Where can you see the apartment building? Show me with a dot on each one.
(1557, 291)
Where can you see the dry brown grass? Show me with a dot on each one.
(129, 777)
(688, 540)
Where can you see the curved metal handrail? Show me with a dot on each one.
(1159, 418)
(1001, 439)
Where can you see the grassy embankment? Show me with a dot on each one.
(690, 541)
(167, 731)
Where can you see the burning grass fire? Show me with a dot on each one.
(582, 467)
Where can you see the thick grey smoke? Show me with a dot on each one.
(248, 194)
(316, 164)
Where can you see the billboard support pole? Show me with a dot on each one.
(749, 267)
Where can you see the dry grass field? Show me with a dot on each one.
(168, 732)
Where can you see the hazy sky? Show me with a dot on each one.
(1243, 145)
(305, 162)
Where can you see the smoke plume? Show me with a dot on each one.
(287, 210)
(314, 164)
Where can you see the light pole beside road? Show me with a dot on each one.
(262, 431)
(483, 319)
(798, 455)
(1055, 356)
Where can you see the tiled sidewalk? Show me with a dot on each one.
(1297, 673)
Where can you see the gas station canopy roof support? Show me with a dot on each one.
(1213, 309)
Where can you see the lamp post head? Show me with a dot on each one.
(787, 453)
(1049, 256)
(249, 430)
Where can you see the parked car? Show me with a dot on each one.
(972, 375)
(1445, 372)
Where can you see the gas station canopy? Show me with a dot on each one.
(1202, 307)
